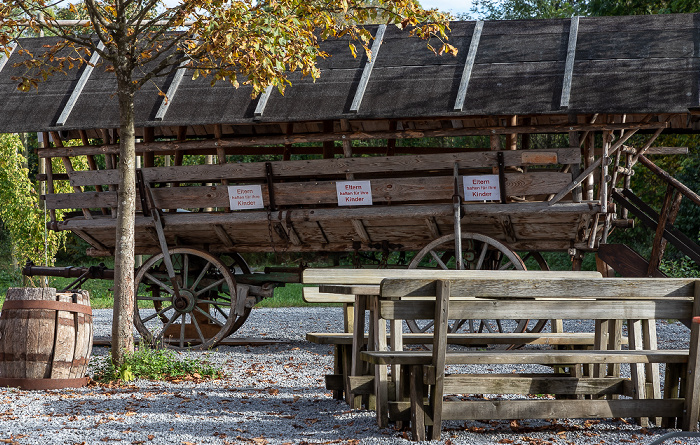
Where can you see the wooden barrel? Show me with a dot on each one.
(45, 338)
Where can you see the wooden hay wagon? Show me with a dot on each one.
(371, 158)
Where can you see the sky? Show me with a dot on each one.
(453, 6)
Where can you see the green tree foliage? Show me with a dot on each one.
(641, 7)
(544, 9)
(21, 214)
(526, 9)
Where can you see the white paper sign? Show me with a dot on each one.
(243, 197)
(482, 188)
(354, 193)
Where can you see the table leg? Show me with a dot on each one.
(381, 382)
(358, 340)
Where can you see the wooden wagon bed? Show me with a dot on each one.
(412, 204)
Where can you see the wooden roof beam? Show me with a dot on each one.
(367, 72)
(468, 66)
(172, 90)
(94, 58)
(5, 57)
(262, 102)
(569, 67)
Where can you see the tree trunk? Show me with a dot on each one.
(123, 312)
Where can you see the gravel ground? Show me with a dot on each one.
(272, 394)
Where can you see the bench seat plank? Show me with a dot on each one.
(314, 295)
(542, 357)
(540, 384)
(569, 309)
(375, 276)
(469, 339)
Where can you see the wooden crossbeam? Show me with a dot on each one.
(4, 58)
(94, 58)
(468, 66)
(420, 188)
(337, 166)
(172, 90)
(367, 72)
(248, 141)
(569, 67)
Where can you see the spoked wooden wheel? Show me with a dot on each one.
(199, 314)
(479, 252)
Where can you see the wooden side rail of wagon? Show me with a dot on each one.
(639, 301)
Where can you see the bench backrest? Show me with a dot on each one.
(375, 276)
(542, 298)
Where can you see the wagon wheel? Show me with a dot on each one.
(479, 252)
(204, 313)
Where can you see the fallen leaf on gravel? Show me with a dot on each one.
(505, 441)
(151, 437)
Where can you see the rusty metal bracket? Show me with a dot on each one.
(502, 175)
(44, 384)
(48, 305)
(141, 184)
(270, 188)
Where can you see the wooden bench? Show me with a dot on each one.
(358, 285)
(639, 301)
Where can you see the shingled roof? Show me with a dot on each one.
(638, 64)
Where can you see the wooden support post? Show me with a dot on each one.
(442, 300)
(396, 329)
(417, 406)
(381, 382)
(68, 165)
(512, 138)
(390, 143)
(669, 211)
(577, 193)
(653, 379)
(358, 342)
(328, 146)
(634, 329)
(149, 157)
(110, 164)
(93, 165)
(49, 174)
(588, 159)
(691, 406)
(287, 154)
(614, 344)
(600, 342)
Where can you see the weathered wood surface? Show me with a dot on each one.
(65, 341)
(516, 357)
(543, 384)
(536, 227)
(328, 167)
(416, 189)
(540, 309)
(313, 295)
(49, 342)
(559, 409)
(543, 287)
(471, 339)
(375, 276)
(190, 220)
(33, 333)
(297, 138)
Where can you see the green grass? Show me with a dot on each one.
(289, 296)
(154, 364)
